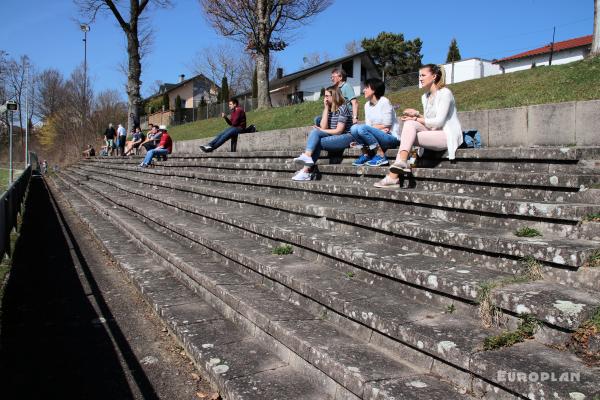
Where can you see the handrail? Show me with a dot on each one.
(10, 207)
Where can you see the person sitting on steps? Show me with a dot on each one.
(135, 142)
(333, 134)
(236, 122)
(437, 129)
(380, 130)
(164, 147)
(152, 139)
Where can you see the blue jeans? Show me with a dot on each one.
(373, 137)
(224, 136)
(154, 152)
(324, 141)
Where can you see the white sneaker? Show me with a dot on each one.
(304, 160)
(301, 176)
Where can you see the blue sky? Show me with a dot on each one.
(48, 32)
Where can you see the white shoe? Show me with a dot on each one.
(301, 176)
(304, 160)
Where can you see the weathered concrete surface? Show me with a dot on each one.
(587, 123)
(552, 124)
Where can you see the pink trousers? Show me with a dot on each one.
(415, 133)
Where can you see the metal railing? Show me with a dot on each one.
(10, 207)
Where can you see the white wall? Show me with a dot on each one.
(562, 57)
(473, 68)
(312, 84)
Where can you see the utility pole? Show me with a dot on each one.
(85, 29)
(26, 114)
(552, 47)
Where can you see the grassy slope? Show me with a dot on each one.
(570, 82)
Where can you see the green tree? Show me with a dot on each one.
(178, 109)
(254, 84)
(224, 92)
(453, 52)
(165, 102)
(392, 54)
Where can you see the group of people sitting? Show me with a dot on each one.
(157, 143)
(337, 128)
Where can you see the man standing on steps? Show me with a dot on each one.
(237, 122)
(109, 136)
(121, 139)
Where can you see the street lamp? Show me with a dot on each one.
(85, 28)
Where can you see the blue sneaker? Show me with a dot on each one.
(361, 160)
(377, 161)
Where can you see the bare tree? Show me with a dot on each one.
(596, 38)
(353, 47)
(221, 61)
(135, 34)
(77, 100)
(15, 84)
(262, 26)
(108, 107)
(50, 92)
(315, 58)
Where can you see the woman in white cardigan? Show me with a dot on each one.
(438, 129)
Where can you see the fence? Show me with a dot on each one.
(399, 82)
(209, 111)
(10, 207)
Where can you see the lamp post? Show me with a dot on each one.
(85, 28)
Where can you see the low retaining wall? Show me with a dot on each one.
(569, 123)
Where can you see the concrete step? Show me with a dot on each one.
(568, 179)
(551, 248)
(571, 229)
(359, 365)
(240, 363)
(454, 279)
(447, 201)
(444, 336)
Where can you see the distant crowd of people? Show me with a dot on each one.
(156, 142)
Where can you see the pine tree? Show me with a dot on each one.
(224, 90)
(165, 102)
(178, 110)
(453, 52)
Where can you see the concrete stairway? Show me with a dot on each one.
(388, 294)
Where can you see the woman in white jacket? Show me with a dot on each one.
(437, 129)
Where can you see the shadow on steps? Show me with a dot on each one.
(52, 341)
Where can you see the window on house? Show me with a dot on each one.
(348, 66)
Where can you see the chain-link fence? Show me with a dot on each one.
(200, 112)
(399, 82)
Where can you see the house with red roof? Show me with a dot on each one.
(559, 53)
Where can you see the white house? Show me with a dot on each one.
(470, 68)
(561, 53)
(306, 85)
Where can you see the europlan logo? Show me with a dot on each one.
(537, 376)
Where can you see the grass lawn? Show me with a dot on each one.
(576, 81)
(4, 178)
